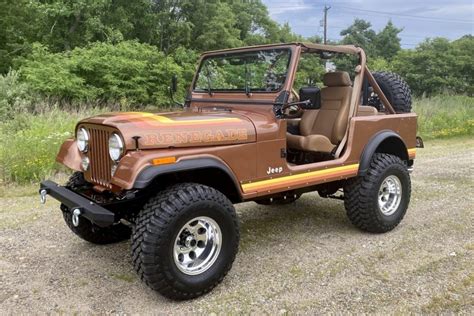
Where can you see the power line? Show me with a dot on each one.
(406, 15)
(401, 15)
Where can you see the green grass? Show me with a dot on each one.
(445, 116)
(30, 142)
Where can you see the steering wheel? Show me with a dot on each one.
(292, 110)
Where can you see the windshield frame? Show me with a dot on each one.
(205, 57)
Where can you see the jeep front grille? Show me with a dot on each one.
(100, 163)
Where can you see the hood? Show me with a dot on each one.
(178, 129)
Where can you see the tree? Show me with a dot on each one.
(386, 42)
(214, 26)
(463, 66)
(18, 31)
(438, 66)
(361, 34)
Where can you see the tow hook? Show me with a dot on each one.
(75, 216)
(43, 194)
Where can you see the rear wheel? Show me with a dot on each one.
(185, 240)
(395, 89)
(378, 201)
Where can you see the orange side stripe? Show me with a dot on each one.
(166, 120)
(300, 178)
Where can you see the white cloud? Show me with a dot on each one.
(276, 8)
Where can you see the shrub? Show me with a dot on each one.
(128, 73)
(14, 95)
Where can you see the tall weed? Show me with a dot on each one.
(30, 142)
(445, 116)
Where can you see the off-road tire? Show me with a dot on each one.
(158, 225)
(76, 180)
(96, 234)
(361, 195)
(87, 230)
(395, 89)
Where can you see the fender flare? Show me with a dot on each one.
(148, 174)
(372, 146)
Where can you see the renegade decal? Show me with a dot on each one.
(206, 136)
(301, 178)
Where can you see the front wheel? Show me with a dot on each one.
(93, 233)
(378, 201)
(185, 240)
(87, 230)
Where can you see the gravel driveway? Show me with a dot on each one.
(305, 257)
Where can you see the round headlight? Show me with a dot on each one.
(115, 147)
(82, 139)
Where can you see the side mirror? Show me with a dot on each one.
(174, 84)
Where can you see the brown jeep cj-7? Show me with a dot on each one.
(247, 132)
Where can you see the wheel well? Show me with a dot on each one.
(394, 146)
(210, 176)
(387, 142)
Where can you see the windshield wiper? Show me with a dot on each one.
(247, 73)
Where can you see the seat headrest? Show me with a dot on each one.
(337, 79)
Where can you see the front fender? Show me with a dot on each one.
(148, 174)
(69, 155)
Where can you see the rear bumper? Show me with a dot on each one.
(88, 209)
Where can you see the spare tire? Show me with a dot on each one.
(395, 89)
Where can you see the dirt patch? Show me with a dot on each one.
(304, 257)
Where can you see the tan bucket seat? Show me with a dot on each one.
(321, 130)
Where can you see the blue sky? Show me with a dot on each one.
(419, 19)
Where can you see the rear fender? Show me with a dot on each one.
(384, 142)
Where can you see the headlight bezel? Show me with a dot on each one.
(119, 147)
(85, 141)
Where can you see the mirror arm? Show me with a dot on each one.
(305, 102)
(172, 89)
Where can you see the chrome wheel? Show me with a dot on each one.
(197, 245)
(390, 195)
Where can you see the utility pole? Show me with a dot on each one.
(326, 8)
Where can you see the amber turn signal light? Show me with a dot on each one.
(163, 161)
